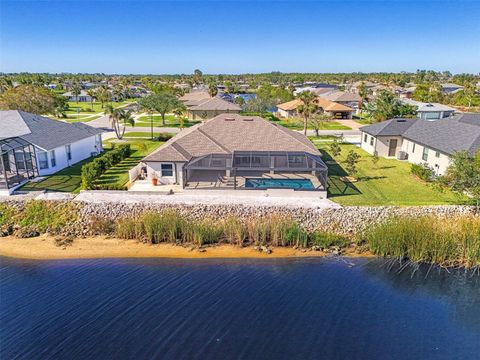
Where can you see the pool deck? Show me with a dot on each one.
(205, 180)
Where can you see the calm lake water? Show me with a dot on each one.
(235, 309)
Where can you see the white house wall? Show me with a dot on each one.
(436, 160)
(155, 167)
(80, 150)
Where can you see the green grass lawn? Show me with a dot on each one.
(297, 124)
(389, 182)
(117, 175)
(170, 121)
(66, 180)
(96, 106)
(69, 179)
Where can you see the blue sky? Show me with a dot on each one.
(238, 37)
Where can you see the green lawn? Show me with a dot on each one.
(389, 182)
(117, 175)
(170, 121)
(297, 124)
(66, 180)
(69, 180)
(96, 107)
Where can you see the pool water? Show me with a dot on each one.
(296, 184)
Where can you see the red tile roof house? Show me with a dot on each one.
(232, 151)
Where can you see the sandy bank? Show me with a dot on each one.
(43, 247)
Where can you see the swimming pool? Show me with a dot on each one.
(296, 184)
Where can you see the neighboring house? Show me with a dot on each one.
(352, 100)
(336, 110)
(82, 97)
(232, 151)
(56, 144)
(289, 109)
(450, 88)
(430, 111)
(419, 141)
(195, 96)
(209, 108)
(315, 88)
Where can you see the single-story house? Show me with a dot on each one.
(449, 88)
(420, 141)
(338, 111)
(82, 97)
(232, 151)
(209, 108)
(349, 99)
(194, 96)
(289, 109)
(34, 145)
(430, 111)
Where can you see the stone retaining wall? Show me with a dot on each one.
(345, 220)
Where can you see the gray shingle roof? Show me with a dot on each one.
(46, 133)
(11, 126)
(460, 132)
(227, 133)
(449, 135)
(393, 127)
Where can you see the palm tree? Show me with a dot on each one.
(178, 112)
(119, 119)
(91, 93)
(308, 108)
(76, 90)
(212, 90)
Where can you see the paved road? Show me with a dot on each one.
(104, 123)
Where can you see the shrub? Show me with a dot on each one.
(328, 239)
(43, 216)
(93, 170)
(422, 171)
(6, 214)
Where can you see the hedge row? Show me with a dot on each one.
(94, 169)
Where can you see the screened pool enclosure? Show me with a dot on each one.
(17, 162)
(244, 164)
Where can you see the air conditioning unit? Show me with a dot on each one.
(402, 155)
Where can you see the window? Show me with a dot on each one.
(167, 170)
(371, 141)
(365, 138)
(68, 149)
(437, 154)
(425, 154)
(42, 160)
(53, 160)
(413, 148)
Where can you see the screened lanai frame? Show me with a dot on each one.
(17, 162)
(277, 161)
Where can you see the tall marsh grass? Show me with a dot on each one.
(172, 227)
(443, 241)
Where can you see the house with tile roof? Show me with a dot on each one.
(33, 145)
(209, 108)
(337, 111)
(232, 151)
(419, 141)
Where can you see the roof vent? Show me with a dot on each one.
(247, 119)
(229, 119)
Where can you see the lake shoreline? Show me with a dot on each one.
(98, 247)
